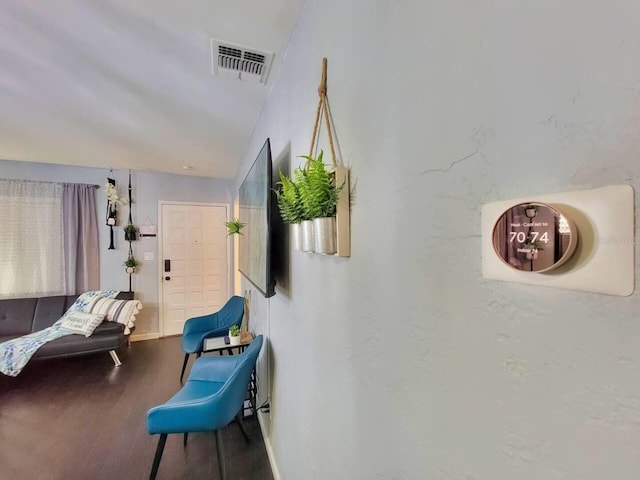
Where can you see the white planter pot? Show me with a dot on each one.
(307, 236)
(324, 232)
(234, 340)
(296, 236)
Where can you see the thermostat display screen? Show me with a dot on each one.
(534, 237)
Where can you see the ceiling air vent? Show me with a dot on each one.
(234, 61)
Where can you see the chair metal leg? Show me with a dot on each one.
(220, 450)
(242, 428)
(114, 357)
(184, 366)
(156, 459)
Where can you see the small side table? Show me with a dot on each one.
(216, 344)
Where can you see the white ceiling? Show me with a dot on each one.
(128, 84)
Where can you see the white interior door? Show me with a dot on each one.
(193, 263)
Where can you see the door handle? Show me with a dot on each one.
(167, 265)
(167, 278)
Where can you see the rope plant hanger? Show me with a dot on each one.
(130, 236)
(130, 230)
(340, 173)
(323, 111)
(112, 206)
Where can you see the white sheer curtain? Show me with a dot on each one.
(31, 239)
(48, 239)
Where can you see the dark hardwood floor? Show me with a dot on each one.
(82, 418)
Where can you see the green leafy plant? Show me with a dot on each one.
(289, 201)
(130, 232)
(234, 226)
(131, 262)
(234, 331)
(318, 190)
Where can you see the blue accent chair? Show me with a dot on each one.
(211, 398)
(217, 324)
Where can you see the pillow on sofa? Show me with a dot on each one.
(80, 322)
(85, 301)
(121, 311)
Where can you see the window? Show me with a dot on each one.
(48, 239)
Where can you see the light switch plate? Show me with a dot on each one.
(604, 261)
(148, 255)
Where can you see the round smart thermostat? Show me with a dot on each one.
(534, 237)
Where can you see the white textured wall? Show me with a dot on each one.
(147, 190)
(403, 362)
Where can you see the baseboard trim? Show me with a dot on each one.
(268, 446)
(145, 336)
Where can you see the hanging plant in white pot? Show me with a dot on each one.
(291, 210)
(319, 194)
(130, 264)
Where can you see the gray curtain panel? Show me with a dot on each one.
(81, 243)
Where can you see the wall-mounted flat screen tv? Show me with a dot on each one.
(255, 200)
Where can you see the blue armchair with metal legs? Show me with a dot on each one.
(211, 398)
(217, 324)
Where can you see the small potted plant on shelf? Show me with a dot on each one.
(234, 335)
(290, 206)
(130, 232)
(130, 264)
(234, 226)
(319, 195)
